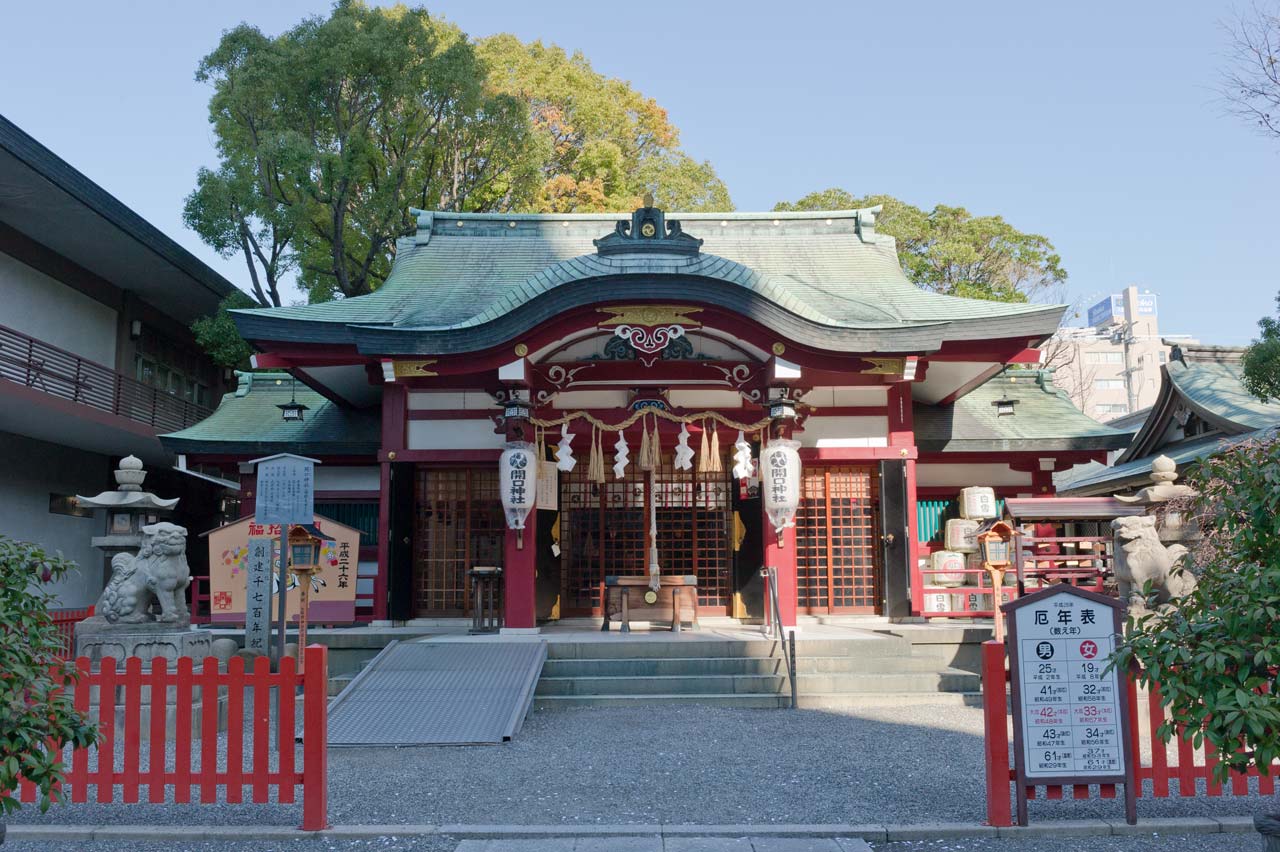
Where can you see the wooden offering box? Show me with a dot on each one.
(625, 598)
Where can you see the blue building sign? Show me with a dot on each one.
(1112, 308)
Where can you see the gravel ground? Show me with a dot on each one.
(1163, 843)
(672, 765)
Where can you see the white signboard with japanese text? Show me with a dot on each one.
(1071, 704)
(285, 490)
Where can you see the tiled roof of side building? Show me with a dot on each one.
(460, 279)
(249, 421)
(1043, 419)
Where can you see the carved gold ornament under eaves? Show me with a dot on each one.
(415, 369)
(885, 366)
(650, 315)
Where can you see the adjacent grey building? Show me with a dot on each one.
(96, 354)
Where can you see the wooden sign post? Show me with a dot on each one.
(1071, 720)
(285, 495)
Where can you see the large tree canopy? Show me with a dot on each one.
(329, 132)
(1262, 360)
(951, 251)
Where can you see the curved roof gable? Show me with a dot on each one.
(825, 275)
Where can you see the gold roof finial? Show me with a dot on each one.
(648, 199)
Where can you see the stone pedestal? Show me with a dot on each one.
(97, 638)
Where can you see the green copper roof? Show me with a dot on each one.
(1044, 419)
(469, 281)
(249, 421)
(1217, 389)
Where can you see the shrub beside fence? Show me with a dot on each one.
(1001, 779)
(173, 695)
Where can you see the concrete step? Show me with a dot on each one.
(563, 702)
(669, 666)
(670, 685)
(854, 701)
(878, 645)
(864, 683)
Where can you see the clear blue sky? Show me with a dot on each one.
(1094, 123)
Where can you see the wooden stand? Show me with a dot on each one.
(677, 601)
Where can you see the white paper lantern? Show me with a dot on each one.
(518, 481)
(780, 480)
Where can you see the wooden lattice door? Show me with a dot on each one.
(837, 553)
(604, 530)
(459, 524)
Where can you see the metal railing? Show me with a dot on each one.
(42, 366)
(774, 629)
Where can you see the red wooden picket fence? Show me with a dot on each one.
(1001, 779)
(65, 621)
(197, 765)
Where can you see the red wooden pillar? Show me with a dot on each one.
(395, 403)
(783, 557)
(1042, 483)
(381, 600)
(248, 497)
(518, 579)
(520, 550)
(902, 436)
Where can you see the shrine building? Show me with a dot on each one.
(585, 396)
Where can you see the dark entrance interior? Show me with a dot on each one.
(458, 524)
(604, 530)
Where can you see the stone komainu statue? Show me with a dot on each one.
(1141, 556)
(160, 569)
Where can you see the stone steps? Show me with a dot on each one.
(675, 666)
(561, 702)
(873, 669)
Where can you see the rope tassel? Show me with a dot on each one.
(646, 462)
(595, 468)
(713, 464)
(704, 452)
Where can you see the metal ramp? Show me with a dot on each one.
(438, 693)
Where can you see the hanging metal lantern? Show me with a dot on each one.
(780, 474)
(518, 482)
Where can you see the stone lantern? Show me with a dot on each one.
(128, 509)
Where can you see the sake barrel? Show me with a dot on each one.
(977, 502)
(947, 568)
(937, 602)
(962, 535)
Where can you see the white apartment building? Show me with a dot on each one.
(1111, 367)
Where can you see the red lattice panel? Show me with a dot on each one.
(837, 551)
(459, 525)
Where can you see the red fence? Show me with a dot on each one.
(141, 753)
(1159, 770)
(65, 620)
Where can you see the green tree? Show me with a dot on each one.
(1262, 360)
(217, 334)
(330, 131)
(951, 251)
(605, 143)
(33, 707)
(1217, 653)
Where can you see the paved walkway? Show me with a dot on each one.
(669, 844)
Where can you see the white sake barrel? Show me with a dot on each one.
(947, 568)
(962, 535)
(937, 602)
(978, 502)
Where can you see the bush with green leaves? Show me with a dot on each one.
(34, 708)
(1216, 655)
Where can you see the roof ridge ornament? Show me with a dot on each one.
(648, 231)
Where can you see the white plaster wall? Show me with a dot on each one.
(845, 432)
(451, 401)
(48, 310)
(453, 435)
(363, 478)
(826, 397)
(34, 469)
(700, 400)
(963, 475)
